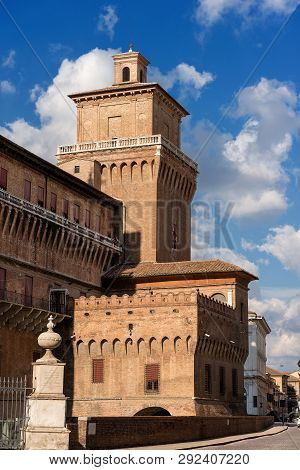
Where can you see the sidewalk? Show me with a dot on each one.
(276, 429)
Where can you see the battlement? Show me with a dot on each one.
(153, 300)
(211, 304)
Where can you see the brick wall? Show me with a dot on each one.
(114, 433)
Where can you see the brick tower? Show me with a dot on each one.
(128, 145)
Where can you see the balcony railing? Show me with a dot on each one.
(30, 301)
(59, 220)
(126, 142)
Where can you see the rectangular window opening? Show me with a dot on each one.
(207, 379)
(66, 208)
(3, 179)
(27, 190)
(2, 283)
(28, 289)
(87, 218)
(222, 380)
(41, 197)
(152, 378)
(76, 213)
(234, 383)
(53, 202)
(98, 371)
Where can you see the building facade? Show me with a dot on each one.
(107, 235)
(280, 380)
(256, 382)
(57, 235)
(132, 129)
(170, 335)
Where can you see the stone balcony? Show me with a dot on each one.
(126, 142)
(25, 313)
(50, 217)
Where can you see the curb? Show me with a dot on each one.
(257, 436)
(213, 443)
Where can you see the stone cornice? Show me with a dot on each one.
(130, 90)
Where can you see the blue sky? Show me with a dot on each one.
(235, 66)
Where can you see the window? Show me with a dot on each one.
(174, 237)
(98, 371)
(152, 378)
(98, 224)
(254, 401)
(53, 202)
(28, 288)
(76, 213)
(222, 380)
(234, 383)
(141, 76)
(41, 197)
(27, 190)
(219, 297)
(3, 179)
(207, 378)
(58, 300)
(66, 208)
(76, 169)
(2, 283)
(88, 218)
(126, 74)
(242, 312)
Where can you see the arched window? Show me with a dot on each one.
(141, 76)
(219, 297)
(126, 74)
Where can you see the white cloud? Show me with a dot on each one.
(248, 169)
(284, 244)
(7, 87)
(107, 20)
(36, 91)
(209, 12)
(55, 110)
(283, 344)
(9, 61)
(59, 48)
(188, 78)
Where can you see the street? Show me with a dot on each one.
(287, 440)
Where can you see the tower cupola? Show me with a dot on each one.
(130, 67)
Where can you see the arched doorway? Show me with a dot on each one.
(153, 411)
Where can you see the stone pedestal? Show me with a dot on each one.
(47, 404)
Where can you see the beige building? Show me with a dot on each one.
(280, 390)
(256, 382)
(294, 381)
(170, 335)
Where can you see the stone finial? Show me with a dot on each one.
(49, 340)
(130, 47)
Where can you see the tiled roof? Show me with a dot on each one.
(152, 269)
(272, 371)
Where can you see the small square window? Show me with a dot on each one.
(77, 169)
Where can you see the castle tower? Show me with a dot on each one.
(128, 145)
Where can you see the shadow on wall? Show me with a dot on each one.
(132, 243)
